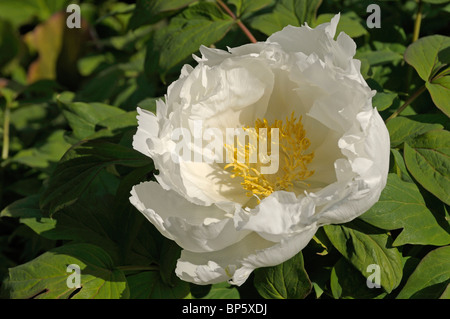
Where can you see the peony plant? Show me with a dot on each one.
(254, 172)
(332, 152)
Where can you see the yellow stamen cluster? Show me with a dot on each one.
(292, 158)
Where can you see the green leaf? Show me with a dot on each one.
(149, 285)
(383, 100)
(428, 55)
(286, 12)
(439, 89)
(44, 153)
(80, 166)
(104, 85)
(347, 283)
(170, 253)
(401, 206)
(288, 280)
(101, 217)
(399, 166)
(119, 121)
(30, 116)
(22, 12)
(28, 211)
(123, 232)
(89, 64)
(436, 1)
(222, 291)
(245, 8)
(402, 129)
(379, 57)
(9, 43)
(151, 11)
(427, 157)
(27, 207)
(149, 104)
(84, 117)
(431, 278)
(363, 245)
(349, 23)
(45, 277)
(383, 53)
(200, 24)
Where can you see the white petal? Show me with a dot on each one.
(212, 56)
(236, 263)
(357, 197)
(305, 39)
(277, 217)
(235, 85)
(193, 227)
(147, 129)
(228, 96)
(320, 41)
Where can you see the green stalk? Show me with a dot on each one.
(408, 102)
(418, 21)
(6, 119)
(416, 33)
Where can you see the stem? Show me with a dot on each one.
(238, 22)
(417, 22)
(408, 102)
(416, 32)
(5, 150)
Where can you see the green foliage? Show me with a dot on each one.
(427, 159)
(80, 166)
(429, 55)
(431, 278)
(68, 102)
(345, 283)
(362, 246)
(286, 12)
(286, 281)
(45, 276)
(148, 11)
(401, 206)
(202, 24)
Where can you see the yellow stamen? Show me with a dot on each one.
(293, 161)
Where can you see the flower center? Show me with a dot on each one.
(287, 146)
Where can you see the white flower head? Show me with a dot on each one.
(332, 152)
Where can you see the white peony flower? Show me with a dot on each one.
(332, 161)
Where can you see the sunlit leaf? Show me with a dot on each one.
(431, 278)
(401, 206)
(428, 159)
(363, 246)
(46, 276)
(150, 11)
(288, 280)
(286, 12)
(402, 129)
(439, 89)
(80, 166)
(201, 24)
(428, 55)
